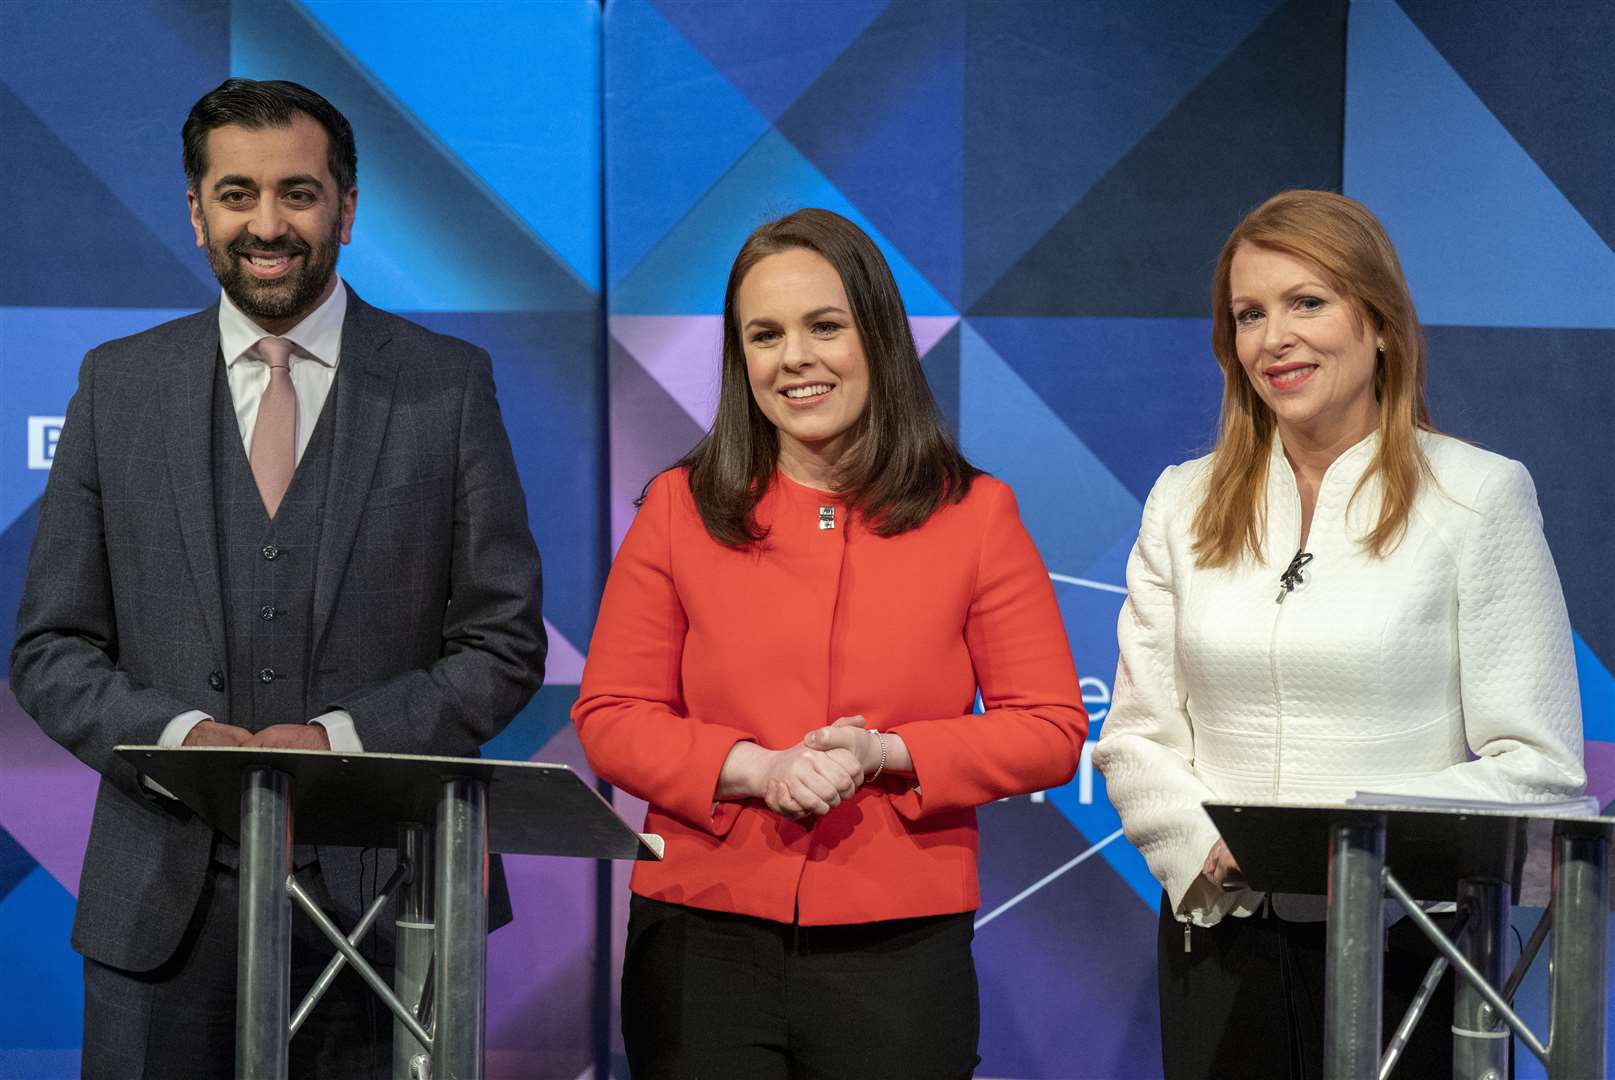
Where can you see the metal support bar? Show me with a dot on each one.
(413, 950)
(360, 964)
(1464, 967)
(1533, 945)
(1480, 1042)
(1579, 992)
(1355, 962)
(1420, 1002)
(264, 927)
(461, 957)
(328, 976)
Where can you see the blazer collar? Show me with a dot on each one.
(185, 388)
(366, 378)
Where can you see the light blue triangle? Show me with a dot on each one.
(1484, 236)
(511, 88)
(1597, 694)
(1075, 509)
(686, 272)
(674, 125)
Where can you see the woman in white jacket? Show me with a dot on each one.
(1336, 599)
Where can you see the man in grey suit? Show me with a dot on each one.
(290, 520)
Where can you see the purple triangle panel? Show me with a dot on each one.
(1038, 962)
(649, 431)
(885, 124)
(47, 796)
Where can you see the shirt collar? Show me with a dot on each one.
(318, 336)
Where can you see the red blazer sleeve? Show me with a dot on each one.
(1030, 737)
(630, 713)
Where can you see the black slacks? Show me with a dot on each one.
(179, 1021)
(1246, 1000)
(715, 996)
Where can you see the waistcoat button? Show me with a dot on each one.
(271, 551)
(215, 679)
(266, 612)
(267, 675)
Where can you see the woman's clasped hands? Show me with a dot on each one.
(813, 777)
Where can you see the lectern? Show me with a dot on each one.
(468, 807)
(1482, 857)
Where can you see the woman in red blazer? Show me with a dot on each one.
(788, 650)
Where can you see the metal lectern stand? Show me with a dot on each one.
(381, 800)
(1474, 857)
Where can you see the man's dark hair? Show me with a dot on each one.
(252, 104)
(902, 465)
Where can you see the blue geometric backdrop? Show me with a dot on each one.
(1051, 183)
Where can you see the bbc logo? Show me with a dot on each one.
(43, 431)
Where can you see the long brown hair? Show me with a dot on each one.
(1348, 246)
(900, 466)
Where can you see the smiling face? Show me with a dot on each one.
(271, 218)
(1309, 351)
(804, 358)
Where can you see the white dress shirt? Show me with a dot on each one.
(318, 341)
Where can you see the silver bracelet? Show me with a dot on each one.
(881, 767)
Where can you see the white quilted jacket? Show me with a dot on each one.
(1444, 669)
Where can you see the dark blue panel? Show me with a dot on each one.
(1545, 397)
(1552, 85)
(552, 395)
(70, 241)
(1067, 987)
(771, 50)
(941, 366)
(1144, 240)
(114, 83)
(15, 544)
(15, 863)
(1142, 394)
(1057, 93)
(884, 123)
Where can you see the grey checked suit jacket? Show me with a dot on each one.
(426, 623)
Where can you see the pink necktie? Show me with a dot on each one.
(274, 437)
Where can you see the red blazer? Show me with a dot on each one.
(699, 646)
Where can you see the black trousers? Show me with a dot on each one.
(730, 997)
(178, 1022)
(1246, 1000)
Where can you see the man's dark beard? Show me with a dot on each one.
(294, 294)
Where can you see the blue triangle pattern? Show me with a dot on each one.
(115, 88)
(1043, 125)
(542, 161)
(1072, 505)
(771, 50)
(38, 969)
(428, 235)
(1528, 257)
(685, 273)
(1597, 694)
(900, 161)
(657, 83)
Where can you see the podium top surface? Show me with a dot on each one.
(359, 800)
(1284, 846)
